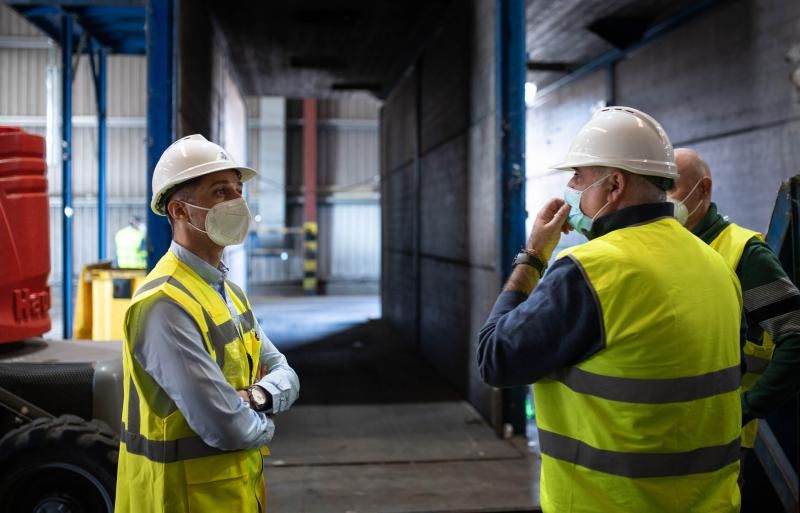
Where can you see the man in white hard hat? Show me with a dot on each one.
(631, 339)
(201, 378)
(771, 300)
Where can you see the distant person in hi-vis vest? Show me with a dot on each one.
(130, 246)
(202, 380)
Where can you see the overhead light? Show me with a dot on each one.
(284, 256)
(530, 93)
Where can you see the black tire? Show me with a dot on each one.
(63, 464)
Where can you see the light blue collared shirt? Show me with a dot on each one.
(173, 354)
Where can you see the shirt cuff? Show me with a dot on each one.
(280, 399)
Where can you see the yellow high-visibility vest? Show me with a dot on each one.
(164, 467)
(129, 243)
(651, 422)
(730, 243)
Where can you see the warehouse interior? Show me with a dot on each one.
(413, 142)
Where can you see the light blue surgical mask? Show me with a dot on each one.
(577, 219)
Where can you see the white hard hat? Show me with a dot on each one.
(187, 158)
(624, 138)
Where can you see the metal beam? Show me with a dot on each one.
(510, 72)
(25, 43)
(98, 53)
(777, 466)
(77, 122)
(557, 67)
(310, 195)
(160, 15)
(612, 56)
(66, 174)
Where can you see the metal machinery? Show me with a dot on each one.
(57, 399)
(60, 401)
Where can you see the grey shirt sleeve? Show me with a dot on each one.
(528, 337)
(281, 381)
(170, 349)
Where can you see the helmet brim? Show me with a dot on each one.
(247, 173)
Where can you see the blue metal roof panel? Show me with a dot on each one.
(120, 26)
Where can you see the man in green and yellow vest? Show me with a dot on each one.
(771, 300)
(632, 340)
(201, 379)
(129, 242)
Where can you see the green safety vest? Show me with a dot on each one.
(164, 467)
(652, 422)
(730, 243)
(130, 248)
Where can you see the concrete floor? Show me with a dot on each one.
(375, 430)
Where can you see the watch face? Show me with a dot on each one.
(258, 395)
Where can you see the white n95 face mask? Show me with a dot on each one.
(681, 210)
(227, 223)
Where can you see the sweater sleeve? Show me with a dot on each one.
(527, 338)
(772, 305)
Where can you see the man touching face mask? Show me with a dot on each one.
(578, 219)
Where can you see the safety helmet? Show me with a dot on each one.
(624, 138)
(187, 158)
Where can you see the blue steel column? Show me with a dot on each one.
(100, 92)
(66, 173)
(510, 74)
(160, 108)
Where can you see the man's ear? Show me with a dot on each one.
(177, 210)
(617, 182)
(705, 187)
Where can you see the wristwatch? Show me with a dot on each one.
(260, 400)
(531, 258)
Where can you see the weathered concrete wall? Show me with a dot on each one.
(719, 84)
(209, 101)
(438, 145)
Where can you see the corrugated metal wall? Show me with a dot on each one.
(23, 102)
(348, 184)
(349, 210)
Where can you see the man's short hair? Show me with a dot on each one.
(180, 191)
(662, 183)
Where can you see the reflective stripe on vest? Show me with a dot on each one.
(636, 464)
(168, 451)
(219, 335)
(730, 243)
(651, 391)
(651, 422)
(163, 465)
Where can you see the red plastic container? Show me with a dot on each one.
(24, 236)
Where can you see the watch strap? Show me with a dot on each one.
(531, 258)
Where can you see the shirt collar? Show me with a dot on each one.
(631, 216)
(198, 265)
(712, 223)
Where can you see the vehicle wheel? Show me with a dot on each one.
(63, 464)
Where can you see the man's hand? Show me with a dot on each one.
(243, 395)
(550, 223)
